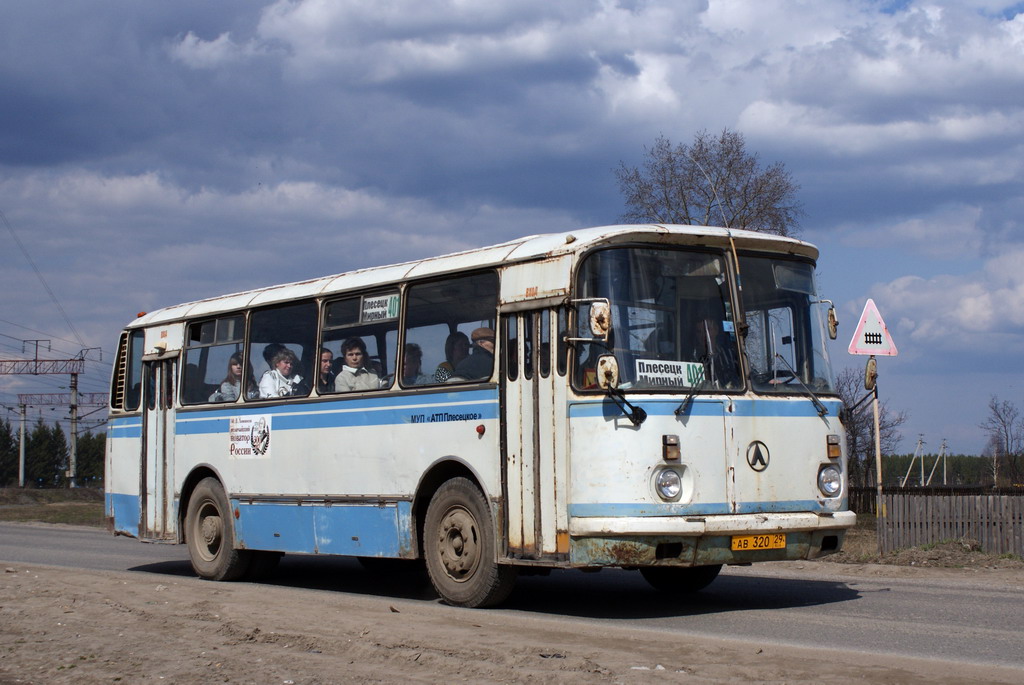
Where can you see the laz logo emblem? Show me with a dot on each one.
(758, 456)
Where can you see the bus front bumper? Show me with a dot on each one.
(703, 540)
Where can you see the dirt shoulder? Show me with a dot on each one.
(64, 626)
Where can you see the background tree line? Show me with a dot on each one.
(1004, 447)
(961, 470)
(47, 454)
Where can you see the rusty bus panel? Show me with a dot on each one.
(632, 551)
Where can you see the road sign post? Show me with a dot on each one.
(872, 338)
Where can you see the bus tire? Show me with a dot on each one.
(680, 580)
(210, 534)
(459, 546)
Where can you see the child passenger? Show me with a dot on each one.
(354, 375)
(232, 383)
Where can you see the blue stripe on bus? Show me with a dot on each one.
(125, 511)
(614, 509)
(381, 411)
(347, 413)
(125, 428)
(367, 530)
(747, 408)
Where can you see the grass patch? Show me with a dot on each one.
(77, 507)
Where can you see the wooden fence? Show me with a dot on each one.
(995, 521)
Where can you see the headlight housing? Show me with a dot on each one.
(830, 481)
(668, 484)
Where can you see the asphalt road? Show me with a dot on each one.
(950, 619)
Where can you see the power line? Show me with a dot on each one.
(22, 341)
(55, 337)
(42, 280)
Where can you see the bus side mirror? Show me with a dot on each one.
(600, 319)
(607, 372)
(833, 321)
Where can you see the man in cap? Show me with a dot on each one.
(480, 363)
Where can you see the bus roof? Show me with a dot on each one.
(520, 250)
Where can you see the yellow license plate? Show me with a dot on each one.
(769, 541)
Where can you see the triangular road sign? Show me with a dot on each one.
(871, 336)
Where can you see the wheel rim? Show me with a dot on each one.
(209, 531)
(459, 544)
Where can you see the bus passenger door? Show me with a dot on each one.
(534, 434)
(157, 472)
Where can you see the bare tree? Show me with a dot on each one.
(860, 425)
(1005, 429)
(713, 181)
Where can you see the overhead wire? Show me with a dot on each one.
(42, 280)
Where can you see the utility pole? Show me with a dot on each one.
(940, 457)
(917, 451)
(21, 449)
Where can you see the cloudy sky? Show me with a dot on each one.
(154, 152)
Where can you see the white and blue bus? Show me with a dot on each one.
(648, 397)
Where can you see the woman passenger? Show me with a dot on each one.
(282, 380)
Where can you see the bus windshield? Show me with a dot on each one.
(673, 319)
(674, 324)
(785, 341)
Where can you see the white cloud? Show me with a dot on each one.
(144, 238)
(981, 312)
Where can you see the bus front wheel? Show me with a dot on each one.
(680, 580)
(210, 534)
(459, 545)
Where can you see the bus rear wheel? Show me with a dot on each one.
(210, 534)
(680, 580)
(459, 545)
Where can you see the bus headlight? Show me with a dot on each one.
(668, 484)
(830, 481)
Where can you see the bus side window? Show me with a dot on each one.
(561, 346)
(442, 316)
(213, 361)
(544, 351)
(362, 334)
(512, 346)
(273, 334)
(126, 387)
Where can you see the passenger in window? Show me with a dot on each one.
(270, 351)
(480, 362)
(354, 374)
(325, 380)
(281, 380)
(456, 348)
(231, 386)
(411, 362)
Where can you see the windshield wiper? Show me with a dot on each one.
(635, 414)
(694, 389)
(822, 409)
